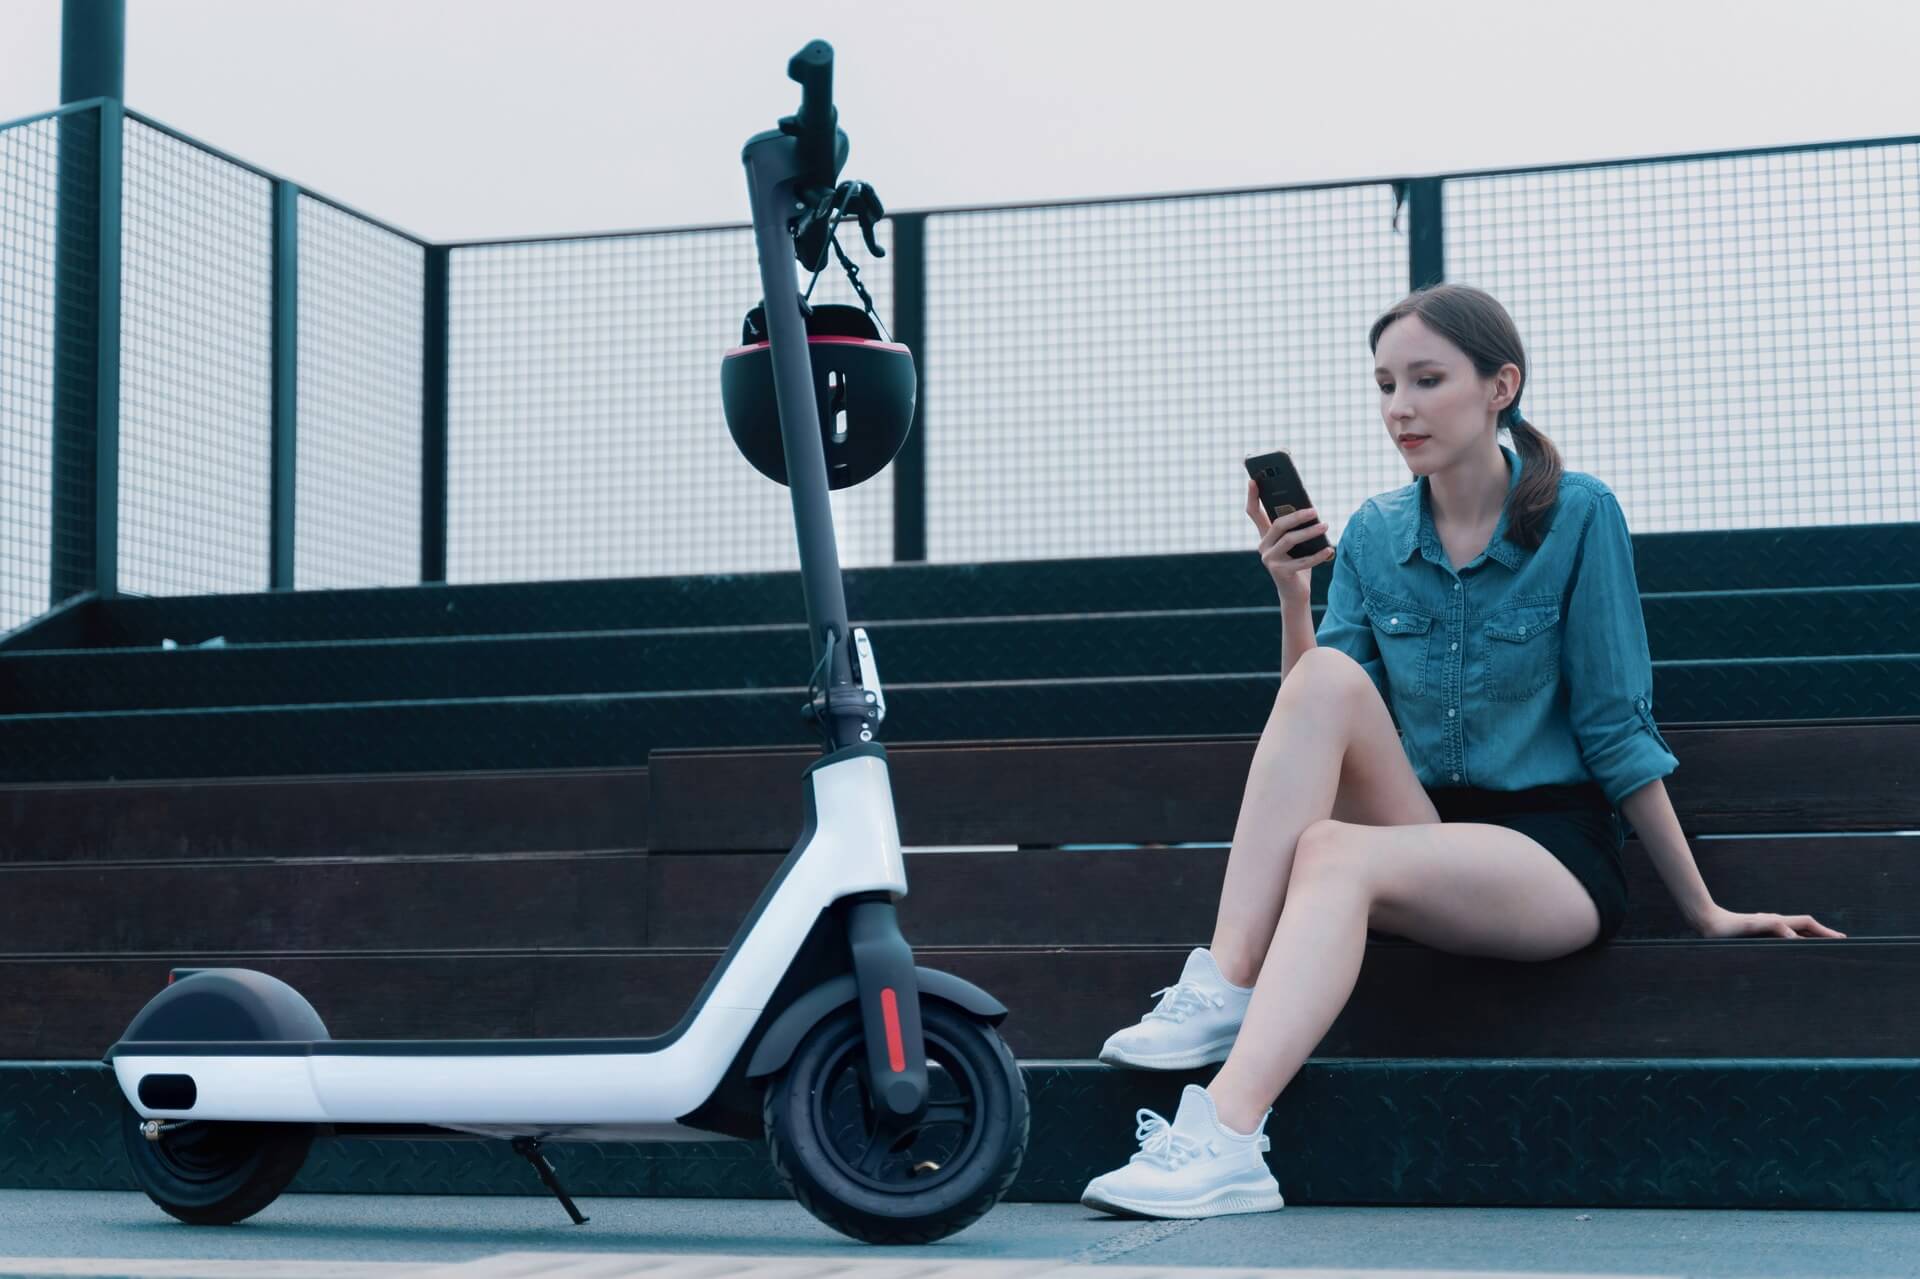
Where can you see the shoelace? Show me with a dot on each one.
(1182, 998)
(1159, 1143)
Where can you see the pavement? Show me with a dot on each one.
(108, 1233)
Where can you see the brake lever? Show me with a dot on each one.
(811, 230)
(870, 211)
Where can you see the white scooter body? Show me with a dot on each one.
(887, 1099)
(572, 1090)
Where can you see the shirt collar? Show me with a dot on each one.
(1414, 527)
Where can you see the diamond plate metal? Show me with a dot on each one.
(1217, 640)
(1039, 657)
(1801, 1134)
(1718, 559)
(1711, 1133)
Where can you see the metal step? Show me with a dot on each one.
(1754, 1133)
(645, 656)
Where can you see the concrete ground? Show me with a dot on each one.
(407, 1237)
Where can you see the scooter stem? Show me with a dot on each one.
(772, 161)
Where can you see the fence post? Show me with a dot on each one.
(910, 329)
(286, 355)
(1427, 256)
(85, 536)
(433, 420)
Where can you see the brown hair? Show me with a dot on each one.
(1472, 320)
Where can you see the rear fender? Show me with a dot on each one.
(230, 1005)
(219, 1007)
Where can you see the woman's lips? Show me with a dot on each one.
(1412, 441)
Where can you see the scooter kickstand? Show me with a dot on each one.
(529, 1148)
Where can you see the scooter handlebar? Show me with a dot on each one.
(813, 68)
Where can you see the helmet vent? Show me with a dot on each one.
(837, 404)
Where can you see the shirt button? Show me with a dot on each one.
(1393, 621)
(1449, 712)
(1456, 777)
(1451, 647)
(1456, 586)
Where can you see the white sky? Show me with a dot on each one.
(526, 117)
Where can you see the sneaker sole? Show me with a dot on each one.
(1219, 1203)
(1191, 1059)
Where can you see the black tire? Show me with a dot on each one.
(819, 1120)
(214, 1173)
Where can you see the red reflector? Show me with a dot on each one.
(169, 979)
(890, 1011)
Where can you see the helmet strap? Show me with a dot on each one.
(847, 193)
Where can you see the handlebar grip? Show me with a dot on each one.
(813, 68)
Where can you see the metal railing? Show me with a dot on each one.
(215, 380)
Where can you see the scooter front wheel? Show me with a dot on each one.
(214, 1173)
(907, 1184)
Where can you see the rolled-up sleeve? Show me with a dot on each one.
(1343, 623)
(1607, 666)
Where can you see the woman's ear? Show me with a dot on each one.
(1506, 387)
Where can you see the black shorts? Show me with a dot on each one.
(1575, 823)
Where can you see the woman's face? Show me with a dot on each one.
(1429, 393)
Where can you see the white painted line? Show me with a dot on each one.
(174, 1268)
(650, 1265)
(609, 1265)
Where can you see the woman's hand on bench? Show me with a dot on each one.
(1720, 922)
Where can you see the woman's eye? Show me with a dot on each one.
(1386, 388)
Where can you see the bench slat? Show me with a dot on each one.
(1842, 776)
(347, 815)
(1863, 886)
(1854, 998)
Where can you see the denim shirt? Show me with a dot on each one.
(1518, 669)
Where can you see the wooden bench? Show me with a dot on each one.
(433, 930)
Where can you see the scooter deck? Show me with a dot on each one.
(390, 1047)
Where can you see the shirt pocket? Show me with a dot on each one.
(1523, 650)
(1403, 635)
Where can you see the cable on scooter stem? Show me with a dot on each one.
(813, 711)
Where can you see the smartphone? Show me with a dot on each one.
(1281, 491)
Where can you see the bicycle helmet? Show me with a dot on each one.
(864, 390)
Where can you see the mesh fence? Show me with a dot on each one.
(357, 513)
(195, 370)
(29, 189)
(1097, 373)
(1727, 342)
(585, 436)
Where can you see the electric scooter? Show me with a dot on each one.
(889, 1102)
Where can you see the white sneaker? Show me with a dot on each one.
(1194, 1167)
(1193, 1025)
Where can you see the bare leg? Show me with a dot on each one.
(1465, 887)
(1295, 773)
(1318, 946)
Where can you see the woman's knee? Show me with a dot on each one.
(1330, 857)
(1326, 672)
(1325, 850)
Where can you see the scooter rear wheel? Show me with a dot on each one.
(214, 1173)
(924, 1182)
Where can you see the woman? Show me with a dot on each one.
(1491, 604)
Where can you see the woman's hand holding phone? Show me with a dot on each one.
(1278, 537)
